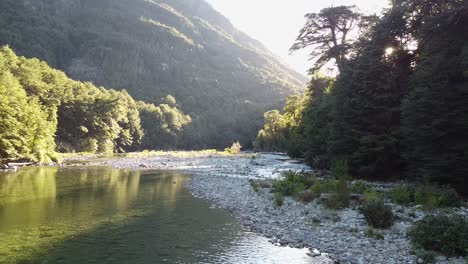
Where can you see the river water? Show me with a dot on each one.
(102, 215)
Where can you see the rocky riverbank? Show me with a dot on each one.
(342, 235)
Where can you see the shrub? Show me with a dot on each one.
(292, 184)
(449, 197)
(340, 169)
(306, 196)
(432, 196)
(255, 186)
(279, 199)
(360, 187)
(374, 234)
(447, 234)
(377, 214)
(234, 149)
(371, 195)
(342, 195)
(324, 186)
(402, 194)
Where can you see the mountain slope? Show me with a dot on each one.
(222, 77)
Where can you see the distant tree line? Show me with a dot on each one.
(399, 105)
(42, 110)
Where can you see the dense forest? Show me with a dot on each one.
(221, 77)
(42, 110)
(399, 105)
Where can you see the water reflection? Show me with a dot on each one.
(102, 215)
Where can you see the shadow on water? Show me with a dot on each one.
(102, 215)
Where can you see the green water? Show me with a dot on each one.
(102, 215)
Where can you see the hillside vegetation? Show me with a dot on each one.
(224, 79)
(42, 110)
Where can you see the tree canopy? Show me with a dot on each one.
(398, 107)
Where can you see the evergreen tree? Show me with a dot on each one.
(435, 114)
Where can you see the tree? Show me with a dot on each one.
(329, 33)
(435, 113)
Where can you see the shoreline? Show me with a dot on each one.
(224, 181)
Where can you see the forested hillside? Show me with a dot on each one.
(153, 48)
(399, 106)
(42, 110)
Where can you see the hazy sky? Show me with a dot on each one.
(276, 23)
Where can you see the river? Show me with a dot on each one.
(103, 215)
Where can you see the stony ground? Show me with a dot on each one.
(341, 235)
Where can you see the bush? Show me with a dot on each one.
(306, 196)
(374, 234)
(371, 195)
(255, 186)
(234, 149)
(324, 186)
(449, 197)
(377, 214)
(342, 195)
(402, 194)
(279, 199)
(340, 169)
(292, 184)
(442, 233)
(360, 187)
(433, 196)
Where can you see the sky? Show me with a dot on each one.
(276, 23)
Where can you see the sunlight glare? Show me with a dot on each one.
(389, 51)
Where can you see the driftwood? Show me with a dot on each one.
(19, 164)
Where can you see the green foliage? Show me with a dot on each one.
(164, 125)
(296, 184)
(279, 199)
(41, 108)
(324, 186)
(292, 184)
(342, 194)
(235, 148)
(395, 109)
(372, 233)
(306, 196)
(377, 213)
(360, 187)
(442, 233)
(402, 194)
(433, 196)
(255, 186)
(340, 169)
(435, 112)
(372, 195)
(430, 196)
